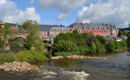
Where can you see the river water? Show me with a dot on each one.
(106, 67)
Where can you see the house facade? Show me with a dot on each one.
(1, 24)
(50, 31)
(105, 30)
(54, 31)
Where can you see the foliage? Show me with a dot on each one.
(7, 58)
(100, 47)
(31, 56)
(111, 46)
(93, 47)
(5, 33)
(84, 43)
(16, 44)
(123, 33)
(101, 39)
(64, 46)
(81, 43)
(128, 41)
(33, 39)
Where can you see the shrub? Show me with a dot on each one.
(128, 41)
(6, 58)
(100, 47)
(111, 46)
(16, 44)
(83, 50)
(64, 46)
(31, 56)
(93, 48)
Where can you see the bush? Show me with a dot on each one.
(111, 46)
(6, 58)
(31, 56)
(83, 50)
(64, 46)
(100, 47)
(128, 42)
(16, 44)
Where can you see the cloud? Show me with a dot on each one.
(9, 13)
(115, 12)
(61, 5)
(62, 16)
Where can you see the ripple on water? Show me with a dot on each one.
(63, 75)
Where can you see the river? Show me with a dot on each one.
(107, 67)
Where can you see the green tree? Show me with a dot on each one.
(5, 34)
(101, 39)
(93, 47)
(128, 41)
(16, 44)
(100, 47)
(64, 46)
(31, 28)
(111, 46)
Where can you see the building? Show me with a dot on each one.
(1, 24)
(13, 26)
(105, 30)
(44, 31)
(54, 31)
(50, 31)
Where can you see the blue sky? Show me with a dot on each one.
(66, 12)
(47, 16)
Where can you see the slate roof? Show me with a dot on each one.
(91, 26)
(61, 29)
(46, 27)
(1, 22)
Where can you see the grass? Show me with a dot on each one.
(7, 58)
(34, 57)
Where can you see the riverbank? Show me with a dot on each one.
(75, 57)
(19, 67)
(42, 72)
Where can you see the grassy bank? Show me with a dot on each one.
(33, 57)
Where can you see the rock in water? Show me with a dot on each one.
(18, 67)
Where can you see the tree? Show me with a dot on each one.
(128, 41)
(31, 28)
(111, 46)
(129, 25)
(101, 39)
(64, 46)
(93, 47)
(5, 34)
(100, 47)
(16, 44)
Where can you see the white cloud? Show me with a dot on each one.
(64, 6)
(106, 11)
(62, 16)
(61, 5)
(9, 13)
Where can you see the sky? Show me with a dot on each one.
(66, 12)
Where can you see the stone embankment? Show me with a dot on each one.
(18, 67)
(75, 57)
